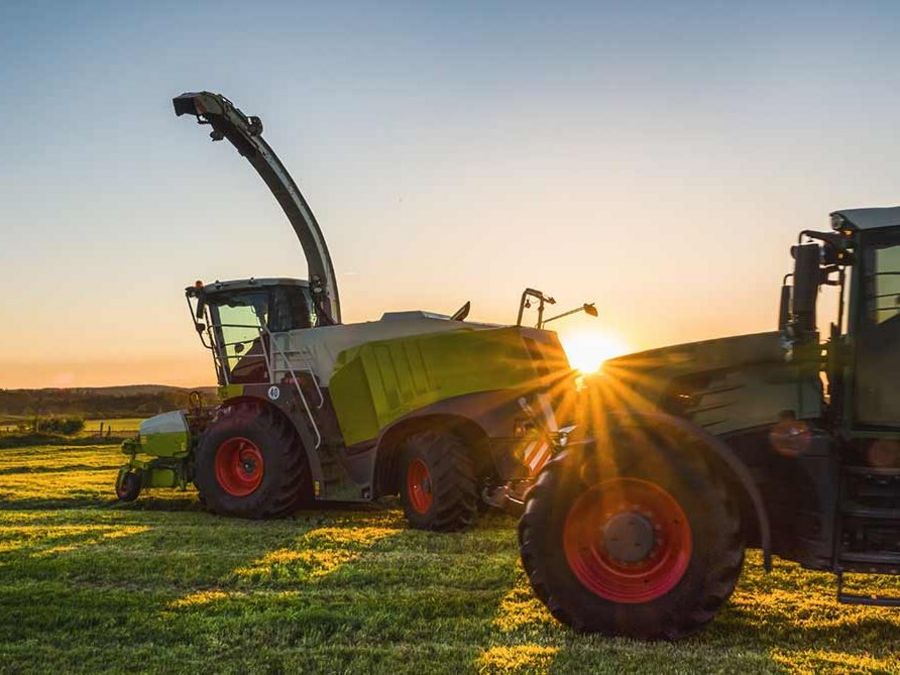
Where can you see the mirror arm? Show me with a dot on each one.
(587, 308)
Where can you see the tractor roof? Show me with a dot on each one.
(870, 219)
(246, 284)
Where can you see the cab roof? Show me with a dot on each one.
(871, 219)
(246, 284)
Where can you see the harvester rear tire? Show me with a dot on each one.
(437, 482)
(267, 476)
(568, 557)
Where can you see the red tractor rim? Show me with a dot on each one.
(418, 486)
(627, 540)
(239, 466)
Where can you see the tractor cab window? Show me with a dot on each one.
(291, 308)
(239, 319)
(883, 282)
(878, 332)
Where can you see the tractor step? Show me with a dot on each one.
(888, 558)
(871, 471)
(855, 510)
(873, 600)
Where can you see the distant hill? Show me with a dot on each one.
(138, 400)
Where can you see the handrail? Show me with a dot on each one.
(268, 357)
(271, 369)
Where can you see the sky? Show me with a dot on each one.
(656, 158)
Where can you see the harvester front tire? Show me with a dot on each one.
(437, 482)
(130, 487)
(250, 463)
(681, 521)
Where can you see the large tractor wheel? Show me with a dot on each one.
(647, 551)
(437, 482)
(250, 463)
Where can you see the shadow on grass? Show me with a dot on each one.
(14, 441)
(94, 501)
(58, 469)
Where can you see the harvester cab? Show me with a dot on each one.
(781, 441)
(418, 404)
(236, 320)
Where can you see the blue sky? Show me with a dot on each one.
(658, 159)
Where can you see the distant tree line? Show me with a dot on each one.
(94, 402)
(52, 425)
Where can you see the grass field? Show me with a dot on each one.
(89, 585)
(122, 426)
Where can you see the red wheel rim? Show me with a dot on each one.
(418, 486)
(627, 540)
(239, 466)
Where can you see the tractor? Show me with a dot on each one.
(423, 405)
(688, 454)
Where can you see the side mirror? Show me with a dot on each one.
(588, 308)
(806, 286)
(784, 307)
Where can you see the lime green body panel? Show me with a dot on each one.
(171, 444)
(379, 382)
(163, 472)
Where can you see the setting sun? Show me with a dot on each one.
(588, 349)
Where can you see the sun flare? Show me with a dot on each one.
(587, 350)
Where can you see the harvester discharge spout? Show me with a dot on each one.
(245, 133)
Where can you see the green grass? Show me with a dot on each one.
(89, 585)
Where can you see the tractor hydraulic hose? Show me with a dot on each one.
(245, 133)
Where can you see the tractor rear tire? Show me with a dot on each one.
(437, 482)
(250, 463)
(648, 551)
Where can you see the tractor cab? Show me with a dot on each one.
(235, 321)
(860, 429)
(861, 258)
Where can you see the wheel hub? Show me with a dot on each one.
(418, 486)
(239, 466)
(628, 537)
(627, 540)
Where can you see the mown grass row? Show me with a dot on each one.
(89, 585)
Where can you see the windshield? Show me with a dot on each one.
(236, 320)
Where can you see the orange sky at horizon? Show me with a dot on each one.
(658, 160)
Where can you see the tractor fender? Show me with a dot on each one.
(726, 457)
(312, 458)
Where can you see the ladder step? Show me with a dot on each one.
(878, 558)
(870, 471)
(873, 512)
(873, 600)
